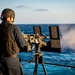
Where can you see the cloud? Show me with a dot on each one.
(22, 6)
(41, 9)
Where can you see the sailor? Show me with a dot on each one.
(9, 63)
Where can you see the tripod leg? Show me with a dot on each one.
(44, 69)
(35, 69)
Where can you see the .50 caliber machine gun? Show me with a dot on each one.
(37, 39)
(51, 46)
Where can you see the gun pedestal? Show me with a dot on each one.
(38, 60)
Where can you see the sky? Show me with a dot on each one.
(41, 11)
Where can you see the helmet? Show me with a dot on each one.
(7, 13)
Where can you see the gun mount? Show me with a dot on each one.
(51, 46)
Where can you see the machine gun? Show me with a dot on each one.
(51, 46)
(39, 42)
(37, 39)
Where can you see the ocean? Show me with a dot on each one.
(54, 63)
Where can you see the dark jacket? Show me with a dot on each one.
(16, 34)
(9, 65)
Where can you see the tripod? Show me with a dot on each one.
(38, 59)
